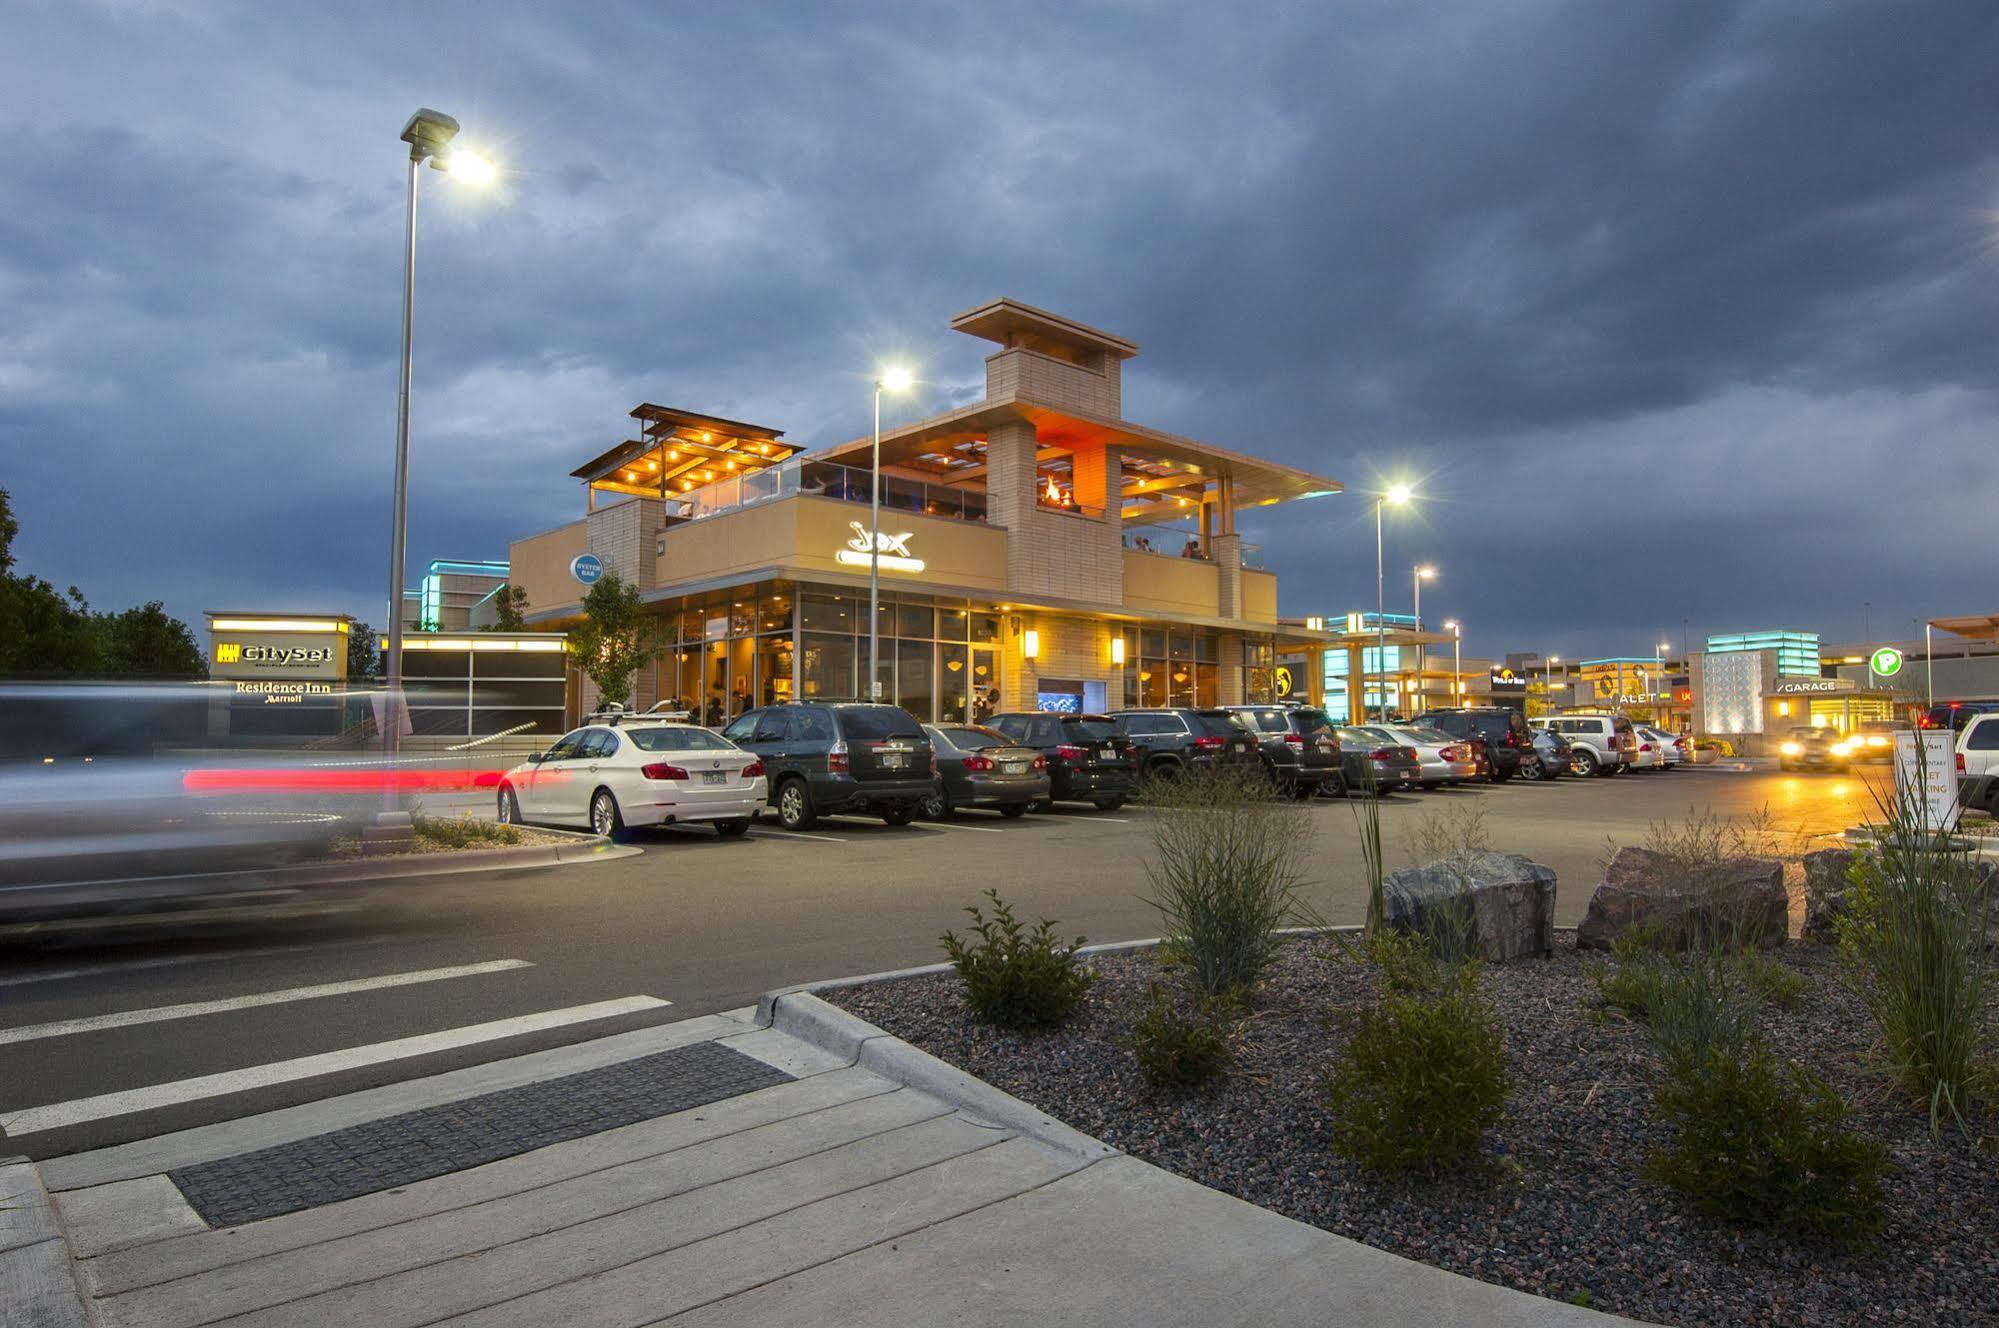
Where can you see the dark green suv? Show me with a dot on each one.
(823, 757)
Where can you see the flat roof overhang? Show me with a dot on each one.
(1976, 627)
(1258, 483)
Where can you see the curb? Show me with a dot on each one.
(37, 1278)
(802, 1015)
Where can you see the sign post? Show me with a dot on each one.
(1926, 778)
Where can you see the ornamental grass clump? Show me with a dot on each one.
(1014, 976)
(1227, 864)
(1183, 1042)
(1419, 1082)
(1913, 944)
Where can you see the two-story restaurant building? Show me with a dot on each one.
(1037, 550)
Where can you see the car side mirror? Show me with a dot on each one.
(536, 758)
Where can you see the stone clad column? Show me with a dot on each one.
(1010, 449)
(1228, 565)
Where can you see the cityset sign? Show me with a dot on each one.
(282, 656)
(891, 551)
(1812, 686)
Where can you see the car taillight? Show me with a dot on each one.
(1295, 739)
(1064, 752)
(1644, 746)
(1382, 754)
(1208, 744)
(1448, 754)
(1510, 739)
(1960, 763)
(661, 770)
(1041, 762)
(754, 770)
(836, 759)
(978, 763)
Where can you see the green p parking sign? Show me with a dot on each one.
(1886, 662)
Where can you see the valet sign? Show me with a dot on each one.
(892, 551)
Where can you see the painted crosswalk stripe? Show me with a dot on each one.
(58, 1115)
(161, 1013)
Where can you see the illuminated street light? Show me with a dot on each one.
(1424, 572)
(1457, 667)
(1400, 495)
(429, 134)
(892, 379)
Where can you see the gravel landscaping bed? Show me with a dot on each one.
(1560, 1210)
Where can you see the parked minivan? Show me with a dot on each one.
(839, 756)
(1598, 744)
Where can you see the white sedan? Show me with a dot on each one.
(636, 773)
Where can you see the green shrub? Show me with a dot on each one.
(1228, 861)
(463, 832)
(1770, 982)
(1404, 962)
(1185, 1042)
(1419, 1081)
(1766, 1143)
(1914, 946)
(1015, 977)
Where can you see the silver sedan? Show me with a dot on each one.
(1442, 758)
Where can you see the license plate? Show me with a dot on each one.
(1013, 767)
(1107, 752)
(714, 776)
(894, 760)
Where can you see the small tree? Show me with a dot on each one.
(510, 603)
(149, 640)
(617, 637)
(364, 652)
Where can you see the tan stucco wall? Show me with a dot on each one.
(1175, 585)
(1070, 648)
(806, 534)
(539, 565)
(1259, 596)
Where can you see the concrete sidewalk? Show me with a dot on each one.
(858, 1181)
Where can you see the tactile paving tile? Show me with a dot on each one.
(401, 1150)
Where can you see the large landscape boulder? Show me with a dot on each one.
(1825, 893)
(1510, 901)
(1734, 899)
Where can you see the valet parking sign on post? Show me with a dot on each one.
(1926, 777)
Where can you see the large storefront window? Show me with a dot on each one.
(1174, 668)
(1259, 671)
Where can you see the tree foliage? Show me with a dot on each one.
(364, 652)
(616, 638)
(510, 603)
(148, 640)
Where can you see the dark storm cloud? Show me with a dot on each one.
(1678, 310)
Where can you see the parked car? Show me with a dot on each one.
(1300, 748)
(1954, 715)
(636, 774)
(1978, 763)
(1166, 742)
(839, 756)
(1813, 748)
(1550, 756)
(982, 767)
(1599, 744)
(1370, 761)
(1651, 753)
(1505, 732)
(1440, 758)
(1088, 759)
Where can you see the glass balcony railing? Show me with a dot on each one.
(824, 479)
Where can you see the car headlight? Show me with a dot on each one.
(1876, 740)
(1794, 749)
(1842, 749)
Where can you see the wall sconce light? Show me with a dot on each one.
(1030, 644)
(1784, 707)
(1117, 650)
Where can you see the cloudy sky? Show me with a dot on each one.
(1682, 315)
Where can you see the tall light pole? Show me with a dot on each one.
(1399, 494)
(1423, 573)
(891, 380)
(1665, 682)
(429, 133)
(1457, 665)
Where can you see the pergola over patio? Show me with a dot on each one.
(678, 451)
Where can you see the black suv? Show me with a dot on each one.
(1088, 759)
(839, 756)
(1301, 749)
(1505, 731)
(1167, 741)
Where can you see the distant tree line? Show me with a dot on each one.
(47, 631)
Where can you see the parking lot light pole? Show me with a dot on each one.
(1457, 665)
(1424, 572)
(890, 380)
(1399, 494)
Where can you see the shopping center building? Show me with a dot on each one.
(1036, 549)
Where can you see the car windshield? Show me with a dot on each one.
(677, 738)
(1218, 724)
(1803, 731)
(1436, 736)
(866, 723)
(1089, 730)
(1311, 723)
(971, 737)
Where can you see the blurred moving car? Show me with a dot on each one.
(983, 767)
(823, 757)
(1166, 742)
(1300, 749)
(639, 773)
(1440, 758)
(1371, 761)
(1503, 730)
(1088, 759)
(1813, 748)
(1954, 715)
(1874, 740)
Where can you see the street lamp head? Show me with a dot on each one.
(1554, 659)
(429, 133)
(1450, 624)
(895, 378)
(1399, 494)
(469, 166)
(1426, 572)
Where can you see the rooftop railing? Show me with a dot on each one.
(824, 479)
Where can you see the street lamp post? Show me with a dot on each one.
(1457, 664)
(428, 133)
(891, 380)
(1423, 573)
(1398, 494)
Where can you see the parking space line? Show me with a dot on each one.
(59, 1115)
(161, 1013)
(794, 834)
(953, 825)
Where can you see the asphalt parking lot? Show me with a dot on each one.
(137, 1035)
